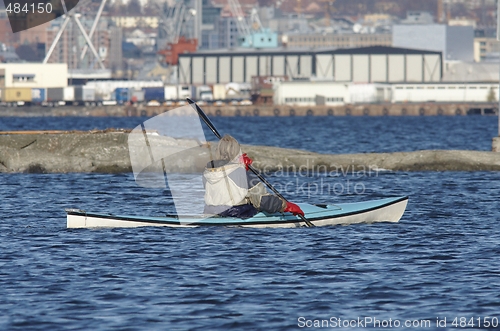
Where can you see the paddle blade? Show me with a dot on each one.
(204, 117)
(170, 151)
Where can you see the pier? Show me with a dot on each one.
(377, 109)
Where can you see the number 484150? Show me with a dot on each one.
(39, 8)
(486, 322)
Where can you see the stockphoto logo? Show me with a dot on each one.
(26, 14)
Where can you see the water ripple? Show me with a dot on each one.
(441, 259)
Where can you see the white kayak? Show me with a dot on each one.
(384, 210)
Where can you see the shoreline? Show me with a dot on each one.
(107, 152)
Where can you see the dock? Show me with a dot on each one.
(371, 109)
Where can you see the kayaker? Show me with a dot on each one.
(233, 191)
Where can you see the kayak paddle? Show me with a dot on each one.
(211, 126)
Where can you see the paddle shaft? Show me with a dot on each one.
(211, 126)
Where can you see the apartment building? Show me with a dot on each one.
(486, 49)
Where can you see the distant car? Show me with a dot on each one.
(153, 103)
(219, 103)
(201, 103)
(168, 103)
(246, 103)
(181, 103)
(234, 102)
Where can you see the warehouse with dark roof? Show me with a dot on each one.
(360, 65)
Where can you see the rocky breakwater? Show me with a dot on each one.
(64, 151)
(275, 159)
(108, 152)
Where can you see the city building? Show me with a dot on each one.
(128, 22)
(299, 93)
(33, 75)
(141, 38)
(455, 42)
(361, 65)
(227, 32)
(418, 17)
(377, 18)
(209, 25)
(290, 23)
(445, 92)
(486, 49)
(220, 28)
(378, 64)
(462, 21)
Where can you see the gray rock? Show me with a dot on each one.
(107, 151)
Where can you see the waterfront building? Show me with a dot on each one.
(33, 75)
(362, 65)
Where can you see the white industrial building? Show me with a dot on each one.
(300, 93)
(310, 93)
(360, 65)
(239, 66)
(445, 92)
(378, 64)
(33, 75)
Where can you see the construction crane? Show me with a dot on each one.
(252, 33)
(75, 18)
(170, 41)
(171, 18)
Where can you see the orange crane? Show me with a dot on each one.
(171, 52)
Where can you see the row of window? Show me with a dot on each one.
(23, 78)
(334, 99)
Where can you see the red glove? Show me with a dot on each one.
(293, 208)
(246, 160)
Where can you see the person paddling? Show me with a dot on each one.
(232, 191)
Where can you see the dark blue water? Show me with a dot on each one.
(441, 260)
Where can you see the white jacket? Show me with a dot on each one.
(226, 185)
